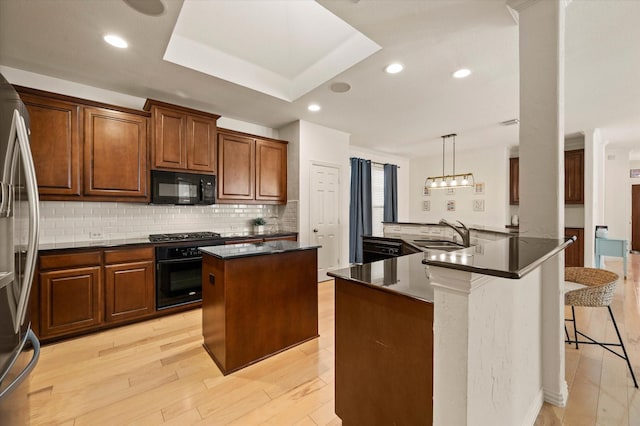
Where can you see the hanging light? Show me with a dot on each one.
(460, 180)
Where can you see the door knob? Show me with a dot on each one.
(315, 230)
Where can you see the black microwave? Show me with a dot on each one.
(182, 188)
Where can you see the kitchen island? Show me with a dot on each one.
(257, 300)
(475, 315)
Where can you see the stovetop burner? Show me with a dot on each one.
(184, 236)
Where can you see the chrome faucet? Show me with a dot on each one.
(464, 232)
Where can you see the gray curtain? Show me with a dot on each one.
(359, 207)
(390, 213)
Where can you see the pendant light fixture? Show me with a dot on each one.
(460, 180)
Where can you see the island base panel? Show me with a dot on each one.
(384, 357)
(257, 306)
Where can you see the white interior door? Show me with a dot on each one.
(324, 217)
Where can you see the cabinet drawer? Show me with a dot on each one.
(59, 261)
(284, 237)
(128, 255)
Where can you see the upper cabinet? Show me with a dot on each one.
(514, 180)
(85, 150)
(251, 169)
(183, 139)
(573, 178)
(55, 140)
(115, 153)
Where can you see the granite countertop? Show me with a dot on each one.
(512, 257)
(405, 275)
(509, 257)
(116, 242)
(234, 251)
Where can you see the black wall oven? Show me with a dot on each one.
(178, 276)
(179, 266)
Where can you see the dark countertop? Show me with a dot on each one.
(512, 257)
(405, 275)
(509, 257)
(110, 243)
(234, 251)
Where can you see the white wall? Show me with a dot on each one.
(311, 143)
(617, 193)
(404, 175)
(488, 165)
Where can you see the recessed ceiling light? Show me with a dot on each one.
(313, 107)
(462, 73)
(394, 68)
(116, 41)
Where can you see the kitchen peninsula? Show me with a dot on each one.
(257, 300)
(432, 337)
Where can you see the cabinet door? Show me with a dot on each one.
(574, 254)
(115, 154)
(55, 145)
(201, 144)
(129, 290)
(271, 171)
(514, 181)
(170, 147)
(574, 177)
(236, 167)
(70, 300)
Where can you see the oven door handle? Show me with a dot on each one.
(174, 261)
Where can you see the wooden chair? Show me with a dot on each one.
(592, 288)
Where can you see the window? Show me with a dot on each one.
(377, 198)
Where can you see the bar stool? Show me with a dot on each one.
(592, 288)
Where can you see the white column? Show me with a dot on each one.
(593, 195)
(541, 50)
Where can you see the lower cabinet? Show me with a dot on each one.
(129, 287)
(574, 254)
(80, 292)
(70, 294)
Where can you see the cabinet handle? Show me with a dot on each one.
(212, 279)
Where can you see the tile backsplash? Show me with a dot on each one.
(64, 221)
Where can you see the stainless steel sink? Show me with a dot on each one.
(442, 245)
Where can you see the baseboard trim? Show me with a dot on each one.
(534, 409)
(559, 399)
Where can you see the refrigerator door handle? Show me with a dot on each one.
(31, 337)
(9, 167)
(34, 219)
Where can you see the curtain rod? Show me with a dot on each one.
(376, 162)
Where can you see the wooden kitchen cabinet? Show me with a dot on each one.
(183, 139)
(271, 171)
(129, 283)
(251, 169)
(85, 150)
(236, 170)
(70, 293)
(55, 140)
(115, 153)
(573, 178)
(574, 253)
(514, 181)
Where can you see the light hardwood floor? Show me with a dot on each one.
(157, 373)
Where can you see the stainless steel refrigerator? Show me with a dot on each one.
(19, 219)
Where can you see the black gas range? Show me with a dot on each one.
(179, 267)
